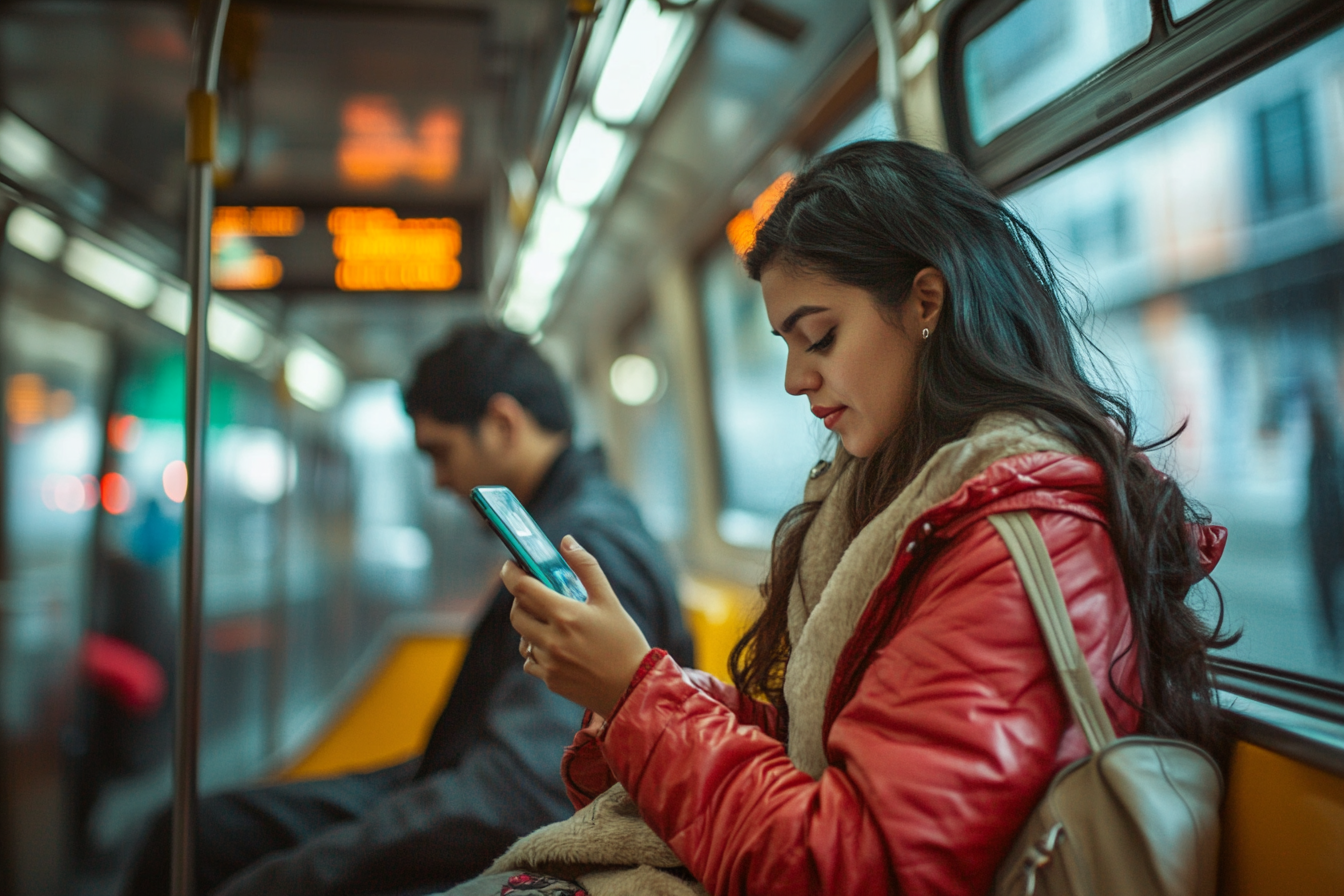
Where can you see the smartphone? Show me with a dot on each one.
(520, 533)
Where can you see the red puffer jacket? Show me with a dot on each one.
(944, 722)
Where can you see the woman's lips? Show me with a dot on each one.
(830, 416)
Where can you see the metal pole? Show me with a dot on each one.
(888, 57)
(201, 126)
(585, 15)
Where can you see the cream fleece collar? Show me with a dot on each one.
(836, 579)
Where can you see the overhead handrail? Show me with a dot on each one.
(585, 14)
(202, 124)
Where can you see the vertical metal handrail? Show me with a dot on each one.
(202, 112)
(888, 61)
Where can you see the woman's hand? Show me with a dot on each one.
(585, 652)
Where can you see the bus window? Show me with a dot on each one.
(1039, 51)
(1210, 248)
(1182, 9)
(54, 374)
(762, 460)
(649, 400)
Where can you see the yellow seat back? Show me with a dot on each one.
(389, 718)
(1283, 827)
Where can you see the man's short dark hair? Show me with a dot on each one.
(454, 382)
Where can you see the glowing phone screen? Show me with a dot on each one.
(525, 540)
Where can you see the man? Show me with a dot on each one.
(488, 411)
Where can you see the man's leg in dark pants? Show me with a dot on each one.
(236, 829)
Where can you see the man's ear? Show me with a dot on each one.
(927, 294)
(505, 418)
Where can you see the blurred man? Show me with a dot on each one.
(488, 411)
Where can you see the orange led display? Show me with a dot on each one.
(235, 262)
(377, 250)
(742, 228)
(377, 148)
(254, 270)
(264, 220)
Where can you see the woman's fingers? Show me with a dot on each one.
(586, 652)
(588, 570)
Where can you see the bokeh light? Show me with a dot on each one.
(635, 380)
(175, 481)
(123, 432)
(118, 493)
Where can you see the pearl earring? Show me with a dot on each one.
(926, 332)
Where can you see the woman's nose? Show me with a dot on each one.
(799, 376)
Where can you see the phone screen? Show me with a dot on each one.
(525, 540)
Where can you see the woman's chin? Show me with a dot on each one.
(855, 445)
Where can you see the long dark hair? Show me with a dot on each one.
(872, 215)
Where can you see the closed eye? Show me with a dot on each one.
(824, 342)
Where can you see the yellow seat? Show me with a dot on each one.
(1283, 827)
(388, 719)
(717, 613)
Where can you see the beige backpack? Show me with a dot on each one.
(1137, 816)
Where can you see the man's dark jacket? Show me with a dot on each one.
(491, 770)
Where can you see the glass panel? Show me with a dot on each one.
(763, 459)
(1042, 49)
(1211, 250)
(1182, 8)
(873, 123)
(658, 477)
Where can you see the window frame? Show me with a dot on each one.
(1180, 65)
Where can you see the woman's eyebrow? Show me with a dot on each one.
(798, 314)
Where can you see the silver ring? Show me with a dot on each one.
(529, 653)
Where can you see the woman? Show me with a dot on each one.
(895, 716)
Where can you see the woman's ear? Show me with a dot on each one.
(927, 292)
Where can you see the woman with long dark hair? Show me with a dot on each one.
(895, 717)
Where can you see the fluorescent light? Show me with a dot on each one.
(526, 309)
(558, 229)
(23, 149)
(637, 55)
(232, 333)
(110, 274)
(589, 161)
(313, 378)
(35, 234)
(634, 380)
(539, 271)
(172, 308)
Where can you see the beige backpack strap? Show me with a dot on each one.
(1028, 551)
